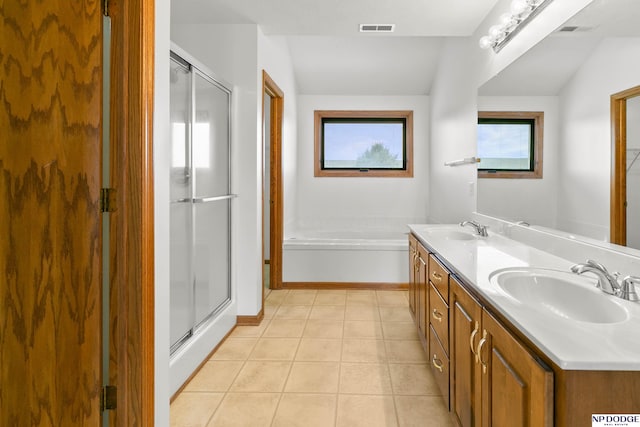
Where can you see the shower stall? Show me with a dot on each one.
(200, 213)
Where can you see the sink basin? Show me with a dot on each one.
(562, 293)
(450, 234)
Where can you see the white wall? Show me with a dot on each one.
(453, 133)
(345, 202)
(530, 200)
(275, 59)
(585, 153)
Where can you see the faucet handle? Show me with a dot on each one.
(628, 290)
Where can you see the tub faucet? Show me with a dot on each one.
(480, 229)
(607, 282)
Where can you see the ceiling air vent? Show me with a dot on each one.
(568, 29)
(377, 28)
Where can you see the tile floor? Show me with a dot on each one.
(319, 358)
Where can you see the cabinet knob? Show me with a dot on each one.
(436, 315)
(436, 276)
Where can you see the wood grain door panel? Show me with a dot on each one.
(50, 245)
(517, 389)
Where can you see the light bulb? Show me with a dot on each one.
(485, 42)
(495, 32)
(519, 6)
(506, 18)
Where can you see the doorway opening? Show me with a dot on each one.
(625, 112)
(272, 235)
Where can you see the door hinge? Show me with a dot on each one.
(108, 398)
(105, 7)
(107, 200)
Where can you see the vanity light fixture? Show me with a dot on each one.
(522, 12)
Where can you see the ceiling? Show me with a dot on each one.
(547, 67)
(331, 56)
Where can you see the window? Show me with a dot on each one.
(363, 143)
(510, 144)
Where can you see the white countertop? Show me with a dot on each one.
(571, 344)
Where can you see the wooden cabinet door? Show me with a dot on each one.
(465, 316)
(422, 282)
(517, 389)
(413, 257)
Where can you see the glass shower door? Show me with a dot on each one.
(211, 136)
(181, 209)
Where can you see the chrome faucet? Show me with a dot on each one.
(628, 290)
(607, 282)
(480, 229)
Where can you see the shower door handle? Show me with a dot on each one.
(213, 199)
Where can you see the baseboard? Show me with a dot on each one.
(345, 285)
(251, 320)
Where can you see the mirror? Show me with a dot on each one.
(570, 76)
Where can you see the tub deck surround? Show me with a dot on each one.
(370, 256)
(570, 344)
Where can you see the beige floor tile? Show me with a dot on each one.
(329, 298)
(392, 298)
(362, 329)
(361, 298)
(259, 376)
(270, 311)
(215, 375)
(319, 350)
(365, 411)
(316, 328)
(395, 314)
(413, 379)
(246, 409)
(276, 296)
(422, 411)
(234, 349)
(364, 378)
(405, 351)
(313, 377)
(300, 297)
(400, 331)
(305, 410)
(361, 350)
(250, 331)
(284, 328)
(194, 409)
(275, 349)
(362, 312)
(329, 312)
(297, 312)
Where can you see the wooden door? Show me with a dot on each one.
(517, 389)
(50, 221)
(465, 325)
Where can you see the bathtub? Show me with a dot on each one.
(349, 257)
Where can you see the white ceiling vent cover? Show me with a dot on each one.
(377, 28)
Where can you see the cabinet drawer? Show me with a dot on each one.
(439, 317)
(439, 363)
(439, 276)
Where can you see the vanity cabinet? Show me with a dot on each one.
(413, 255)
(490, 372)
(495, 379)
